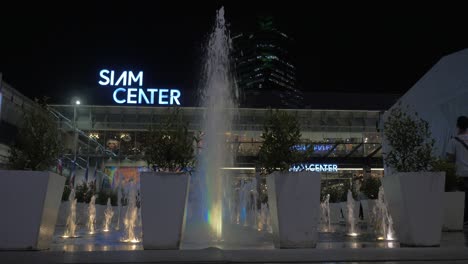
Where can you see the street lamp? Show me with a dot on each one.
(76, 103)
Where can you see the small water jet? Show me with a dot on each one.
(131, 217)
(325, 210)
(119, 208)
(70, 229)
(264, 218)
(92, 215)
(383, 219)
(108, 213)
(351, 220)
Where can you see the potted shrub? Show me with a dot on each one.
(454, 197)
(413, 192)
(169, 151)
(31, 192)
(294, 197)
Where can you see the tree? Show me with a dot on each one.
(170, 146)
(38, 145)
(410, 142)
(370, 187)
(281, 136)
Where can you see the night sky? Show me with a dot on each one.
(57, 51)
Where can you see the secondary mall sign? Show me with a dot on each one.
(126, 94)
(314, 167)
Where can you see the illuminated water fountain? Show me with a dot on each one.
(108, 214)
(325, 210)
(264, 223)
(70, 229)
(211, 194)
(247, 206)
(351, 220)
(92, 215)
(119, 208)
(383, 220)
(131, 217)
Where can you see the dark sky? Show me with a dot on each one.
(58, 50)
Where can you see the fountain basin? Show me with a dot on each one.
(30, 208)
(294, 199)
(164, 198)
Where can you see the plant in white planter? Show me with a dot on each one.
(413, 192)
(293, 197)
(454, 197)
(169, 150)
(32, 193)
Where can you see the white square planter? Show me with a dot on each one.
(164, 197)
(454, 206)
(415, 201)
(31, 201)
(294, 199)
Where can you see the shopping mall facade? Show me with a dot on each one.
(346, 143)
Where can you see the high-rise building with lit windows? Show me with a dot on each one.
(265, 70)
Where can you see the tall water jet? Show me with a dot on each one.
(383, 219)
(218, 94)
(131, 217)
(92, 215)
(108, 213)
(351, 221)
(70, 229)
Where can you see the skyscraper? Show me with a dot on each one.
(265, 70)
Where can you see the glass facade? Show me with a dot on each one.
(347, 138)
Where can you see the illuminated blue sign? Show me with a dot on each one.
(131, 95)
(314, 167)
(317, 148)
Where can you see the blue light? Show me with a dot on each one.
(243, 214)
(103, 73)
(137, 95)
(163, 96)
(314, 167)
(131, 95)
(122, 101)
(175, 94)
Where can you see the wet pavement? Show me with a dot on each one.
(245, 238)
(252, 246)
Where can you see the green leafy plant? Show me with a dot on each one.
(370, 187)
(84, 192)
(410, 141)
(281, 133)
(170, 147)
(335, 191)
(103, 195)
(338, 191)
(38, 145)
(452, 182)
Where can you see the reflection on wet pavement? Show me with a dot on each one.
(110, 241)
